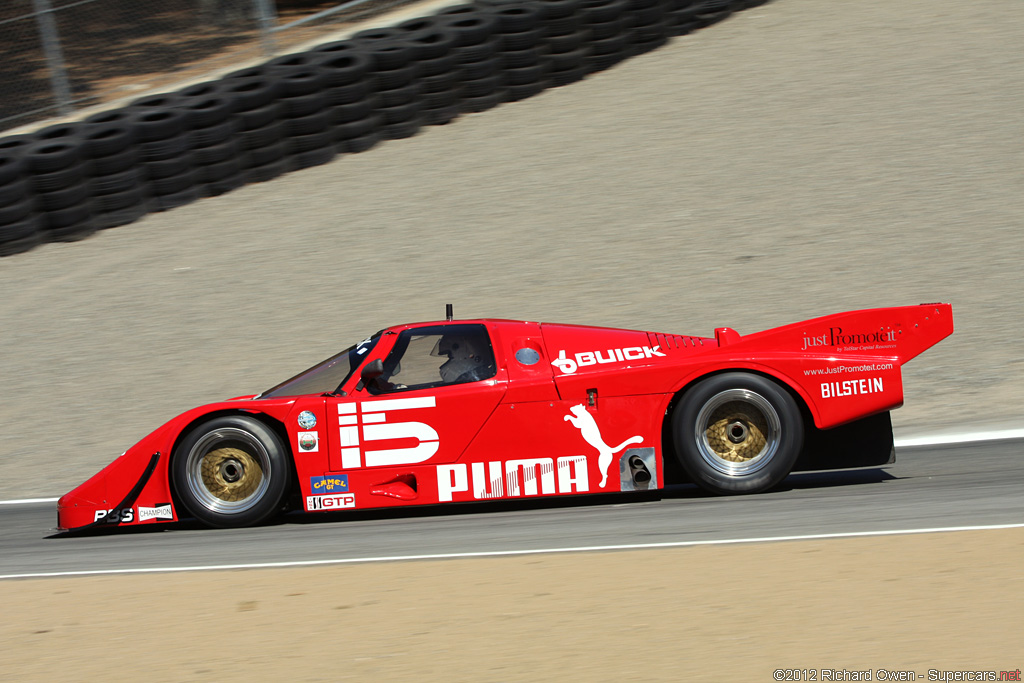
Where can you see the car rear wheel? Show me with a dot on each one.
(231, 471)
(737, 433)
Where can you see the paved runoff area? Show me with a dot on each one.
(799, 159)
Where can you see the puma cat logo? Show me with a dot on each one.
(584, 421)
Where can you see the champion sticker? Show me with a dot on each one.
(307, 420)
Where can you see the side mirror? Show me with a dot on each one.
(372, 370)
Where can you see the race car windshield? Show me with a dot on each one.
(327, 376)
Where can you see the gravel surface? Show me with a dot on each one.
(799, 159)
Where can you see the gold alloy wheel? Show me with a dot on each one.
(230, 474)
(737, 432)
(228, 470)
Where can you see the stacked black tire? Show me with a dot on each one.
(19, 225)
(300, 110)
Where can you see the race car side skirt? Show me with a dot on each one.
(867, 442)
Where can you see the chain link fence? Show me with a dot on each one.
(61, 56)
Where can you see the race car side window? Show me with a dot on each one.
(436, 356)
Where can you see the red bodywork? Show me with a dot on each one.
(521, 433)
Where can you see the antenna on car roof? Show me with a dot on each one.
(448, 312)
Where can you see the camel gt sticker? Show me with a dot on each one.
(336, 483)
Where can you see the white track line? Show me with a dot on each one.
(508, 553)
(963, 437)
(25, 501)
(933, 440)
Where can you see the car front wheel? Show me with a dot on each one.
(231, 471)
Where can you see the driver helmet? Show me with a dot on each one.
(466, 361)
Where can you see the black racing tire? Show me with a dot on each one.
(482, 86)
(737, 433)
(209, 110)
(117, 182)
(304, 105)
(343, 68)
(17, 238)
(346, 113)
(439, 116)
(442, 99)
(471, 28)
(400, 113)
(525, 90)
(158, 150)
(62, 199)
(118, 201)
(16, 211)
(52, 155)
(347, 94)
(525, 75)
(165, 168)
(260, 116)
(73, 215)
(401, 129)
(231, 471)
(359, 144)
(482, 69)
(261, 137)
(308, 142)
(561, 26)
(14, 190)
(166, 202)
(440, 82)
(399, 96)
(569, 41)
(12, 167)
(250, 93)
(212, 135)
(174, 184)
(302, 81)
(313, 157)
(389, 56)
(432, 44)
(516, 59)
(265, 172)
(608, 29)
(357, 129)
(476, 53)
(521, 40)
(307, 125)
(517, 18)
(106, 139)
(481, 103)
(223, 185)
(211, 173)
(129, 214)
(438, 66)
(266, 154)
(603, 11)
(220, 152)
(567, 76)
(116, 163)
(388, 79)
(58, 180)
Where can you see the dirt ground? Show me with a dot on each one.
(948, 602)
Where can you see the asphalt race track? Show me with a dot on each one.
(970, 485)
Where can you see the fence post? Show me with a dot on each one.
(268, 20)
(54, 56)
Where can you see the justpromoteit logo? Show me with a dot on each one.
(583, 358)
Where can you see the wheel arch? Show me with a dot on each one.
(270, 422)
(674, 473)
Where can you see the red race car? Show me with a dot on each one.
(469, 410)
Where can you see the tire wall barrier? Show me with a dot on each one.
(67, 181)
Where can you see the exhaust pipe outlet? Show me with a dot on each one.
(641, 475)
